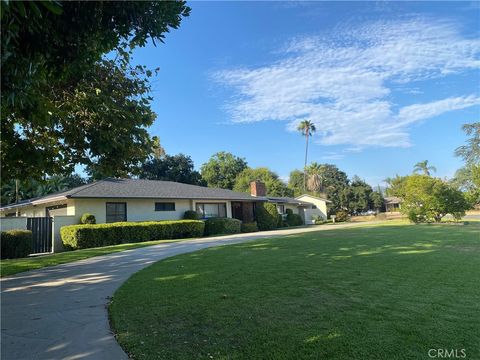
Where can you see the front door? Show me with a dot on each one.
(237, 210)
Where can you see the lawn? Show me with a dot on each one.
(14, 266)
(379, 292)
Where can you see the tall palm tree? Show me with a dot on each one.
(307, 128)
(422, 166)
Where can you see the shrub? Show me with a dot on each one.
(191, 215)
(341, 216)
(214, 226)
(267, 216)
(249, 227)
(289, 212)
(88, 219)
(294, 219)
(90, 235)
(15, 243)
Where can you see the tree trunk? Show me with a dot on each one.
(305, 165)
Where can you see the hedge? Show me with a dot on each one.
(88, 236)
(294, 219)
(15, 243)
(88, 219)
(249, 227)
(267, 216)
(191, 215)
(214, 226)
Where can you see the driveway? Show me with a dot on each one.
(60, 312)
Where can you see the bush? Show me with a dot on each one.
(267, 216)
(294, 219)
(249, 227)
(214, 226)
(88, 219)
(341, 216)
(15, 243)
(90, 235)
(289, 212)
(191, 215)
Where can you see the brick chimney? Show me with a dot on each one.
(257, 188)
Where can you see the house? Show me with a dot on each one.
(112, 200)
(392, 204)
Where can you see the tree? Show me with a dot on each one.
(157, 150)
(422, 166)
(222, 169)
(55, 81)
(377, 201)
(178, 168)
(395, 186)
(358, 195)
(307, 128)
(430, 199)
(295, 182)
(335, 185)
(314, 178)
(274, 186)
(470, 153)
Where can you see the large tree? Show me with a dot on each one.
(359, 195)
(307, 129)
(430, 199)
(295, 182)
(222, 169)
(275, 187)
(62, 101)
(335, 185)
(423, 167)
(178, 168)
(470, 152)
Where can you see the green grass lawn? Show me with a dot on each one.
(14, 266)
(379, 292)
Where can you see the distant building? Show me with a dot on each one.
(393, 204)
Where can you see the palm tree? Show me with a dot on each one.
(314, 177)
(423, 167)
(307, 128)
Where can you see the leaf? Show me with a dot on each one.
(53, 6)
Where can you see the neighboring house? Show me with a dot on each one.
(113, 200)
(393, 204)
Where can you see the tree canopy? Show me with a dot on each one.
(64, 102)
(470, 152)
(222, 169)
(179, 168)
(274, 186)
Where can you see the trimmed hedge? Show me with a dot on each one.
(88, 236)
(16, 243)
(191, 215)
(214, 226)
(88, 219)
(294, 219)
(249, 227)
(267, 216)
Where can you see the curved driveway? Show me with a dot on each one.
(60, 312)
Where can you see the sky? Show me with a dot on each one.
(387, 84)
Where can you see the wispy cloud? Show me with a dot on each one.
(344, 82)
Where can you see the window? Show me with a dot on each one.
(208, 210)
(116, 211)
(281, 209)
(164, 206)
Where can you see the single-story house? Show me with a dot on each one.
(393, 204)
(112, 200)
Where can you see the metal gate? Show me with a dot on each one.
(41, 228)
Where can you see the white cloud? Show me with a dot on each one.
(344, 82)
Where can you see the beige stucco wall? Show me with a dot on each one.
(137, 209)
(319, 203)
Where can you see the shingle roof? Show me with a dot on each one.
(140, 188)
(286, 200)
(392, 200)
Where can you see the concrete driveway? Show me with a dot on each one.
(60, 312)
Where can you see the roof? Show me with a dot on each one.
(315, 197)
(392, 200)
(286, 200)
(139, 189)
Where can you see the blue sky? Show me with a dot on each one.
(388, 84)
